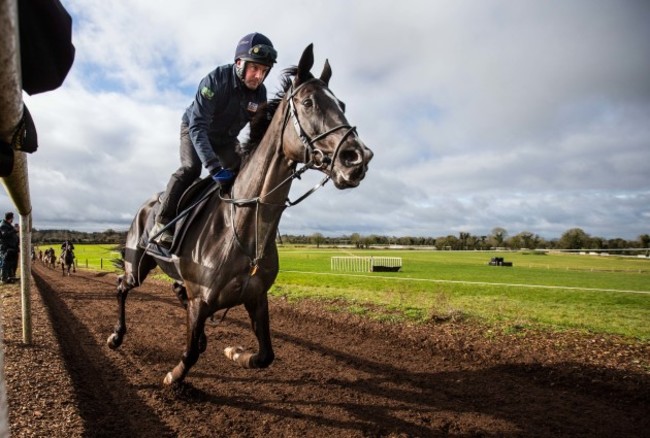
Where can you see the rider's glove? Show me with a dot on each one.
(223, 176)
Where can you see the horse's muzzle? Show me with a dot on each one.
(351, 164)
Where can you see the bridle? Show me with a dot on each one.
(314, 157)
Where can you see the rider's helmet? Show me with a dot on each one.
(257, 48)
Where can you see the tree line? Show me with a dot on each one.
(574, 238)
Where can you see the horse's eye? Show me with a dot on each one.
(308, 102)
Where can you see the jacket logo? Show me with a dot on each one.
(207, 93)
(252, 107)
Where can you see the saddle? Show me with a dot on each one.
(188, 207)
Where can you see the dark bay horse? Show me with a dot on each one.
(67, 261)
(228, 256)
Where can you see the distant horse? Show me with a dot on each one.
(50, 258)
(227, 256)
(67, 261)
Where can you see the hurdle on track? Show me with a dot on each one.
(366, 264)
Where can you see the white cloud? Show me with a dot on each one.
(531, 116)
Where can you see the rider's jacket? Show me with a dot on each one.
(8, 237)
(223, 105)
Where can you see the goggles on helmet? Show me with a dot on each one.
(262, 53)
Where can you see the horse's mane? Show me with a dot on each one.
(262, 118)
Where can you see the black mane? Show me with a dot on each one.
(262, 119)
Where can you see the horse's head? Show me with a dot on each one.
(322, 134)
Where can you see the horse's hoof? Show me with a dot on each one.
(113, 342)
(169, 379)
(233, 353)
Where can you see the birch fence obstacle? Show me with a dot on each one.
(366, 264)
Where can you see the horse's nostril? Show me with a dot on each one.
(351, 158)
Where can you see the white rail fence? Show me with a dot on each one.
(366, 264)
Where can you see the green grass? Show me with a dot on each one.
(554, 291)
(599, 294)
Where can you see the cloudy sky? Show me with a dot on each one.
(526, 115)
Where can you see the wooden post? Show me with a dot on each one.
(11, 112)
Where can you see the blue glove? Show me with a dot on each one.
(223, 176)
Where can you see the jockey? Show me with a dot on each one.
(68, 245)
(226, 100)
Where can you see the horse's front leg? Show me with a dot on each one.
(195, 342)
(259, 315)
(123, 288)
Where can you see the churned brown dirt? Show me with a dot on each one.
(335, 375)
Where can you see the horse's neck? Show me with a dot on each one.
(264, 174)
(265, 178)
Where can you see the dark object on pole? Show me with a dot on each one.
(46, 49)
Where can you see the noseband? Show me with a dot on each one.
(314, 157)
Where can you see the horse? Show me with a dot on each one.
(228, 256)
(50, 258)
(67, 261)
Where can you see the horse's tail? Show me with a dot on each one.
(119, 263)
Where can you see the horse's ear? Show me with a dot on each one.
(305, 65)
(327, 73)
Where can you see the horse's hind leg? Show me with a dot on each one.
(138, 264)
(197, 313)
(123, 288)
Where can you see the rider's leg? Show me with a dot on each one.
(180, 180)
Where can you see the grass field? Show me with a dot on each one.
(602, 294)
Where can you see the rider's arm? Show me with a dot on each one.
(209, 97)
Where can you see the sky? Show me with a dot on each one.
(523, 115)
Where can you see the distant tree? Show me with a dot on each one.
(499, 236)
(473, 242)
(449, 242)
(528, 240)
(617, 243)
(575, 238)
(463, 237)
(515, 242)
(644, 239)
(598, 243)
(318, 239)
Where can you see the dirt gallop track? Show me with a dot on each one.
(334, 376)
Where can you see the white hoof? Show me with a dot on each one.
(233, 353)
(168, 379)
(111, 341)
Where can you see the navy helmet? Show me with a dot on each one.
(257, 48)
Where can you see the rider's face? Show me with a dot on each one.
(254, 74)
